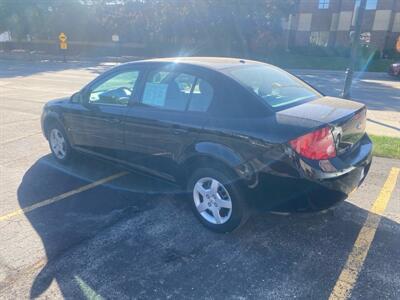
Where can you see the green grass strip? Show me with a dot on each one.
(385, 146)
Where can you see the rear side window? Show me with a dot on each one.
(274, 86)
(177, 92)
(201, 97)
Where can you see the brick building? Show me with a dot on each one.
(328, 23)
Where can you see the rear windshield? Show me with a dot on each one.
(275, 87)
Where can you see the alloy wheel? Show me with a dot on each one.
(212, 200)
(58, 143)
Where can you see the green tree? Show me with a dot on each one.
(192, 26)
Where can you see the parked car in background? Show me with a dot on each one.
(394, 69)
(236, 134)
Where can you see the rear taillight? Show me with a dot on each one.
(318, 144)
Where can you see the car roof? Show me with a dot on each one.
(215, 63)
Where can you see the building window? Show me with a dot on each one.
(323, 4)
(319, 38)
(371, 4)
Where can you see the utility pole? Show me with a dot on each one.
(358, 14)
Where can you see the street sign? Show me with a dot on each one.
(62, 37)
(63, 45)
(63, 41)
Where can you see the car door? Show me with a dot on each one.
(97, 126)
(170, 113)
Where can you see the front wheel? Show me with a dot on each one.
(59, 145)
(217, 200)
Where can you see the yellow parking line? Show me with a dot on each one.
(60, 197)
(355, 261)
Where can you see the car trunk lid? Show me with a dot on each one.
(346, 118)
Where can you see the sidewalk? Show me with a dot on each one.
(380, 92)
(20, 55)
(357, 75)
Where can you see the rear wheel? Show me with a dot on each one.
(217, 200)
(59, 144)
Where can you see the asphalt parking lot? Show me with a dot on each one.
(93, 230)
(379, 91)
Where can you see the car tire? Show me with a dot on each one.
(217, 200)
(59, 144)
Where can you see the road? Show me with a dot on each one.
(379, 91)
(90, 229)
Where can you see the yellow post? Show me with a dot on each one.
(62, 37)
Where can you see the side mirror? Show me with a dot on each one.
(76, 98)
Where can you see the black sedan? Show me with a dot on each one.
(236, 134)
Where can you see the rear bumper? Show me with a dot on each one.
(321, 184)
(343, 172)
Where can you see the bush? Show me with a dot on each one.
(368, 53)
(391, 54)
(343, 51)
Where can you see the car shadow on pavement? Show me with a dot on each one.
(144, 242)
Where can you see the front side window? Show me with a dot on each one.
(116, 90)
(177, 92)
(274, 86)
(323, 4)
